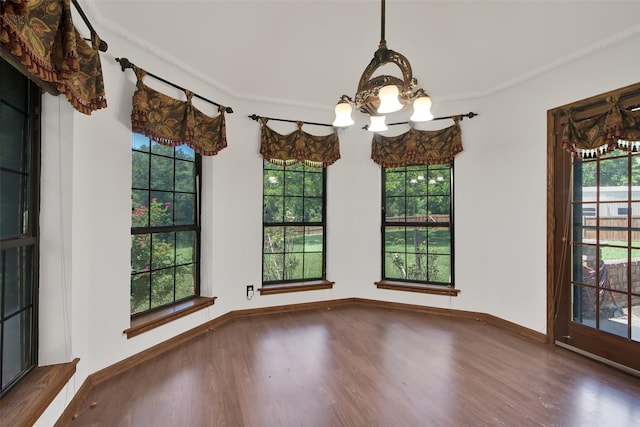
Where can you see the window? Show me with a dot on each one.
(293, 224)
(417, 219)
(19, 196)
(165, 225)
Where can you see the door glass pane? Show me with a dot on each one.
(613, 318)
(635, 317)
(584, 305)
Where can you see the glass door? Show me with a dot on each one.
(594, 235)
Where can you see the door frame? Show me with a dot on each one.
(559, 170)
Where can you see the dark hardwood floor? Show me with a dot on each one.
(357, 365)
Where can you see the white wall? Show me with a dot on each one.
(500, 209)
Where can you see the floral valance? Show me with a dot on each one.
(597, 135)
(298, 147)
(40, 35)
(172, 122)
(416, 147)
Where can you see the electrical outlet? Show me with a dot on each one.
(249, 291)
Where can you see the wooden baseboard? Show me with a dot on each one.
(72, 410)
(124, 365)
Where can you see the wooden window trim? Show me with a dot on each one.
(281, 288)
(28, 400)
(149, 321)
(415, 287)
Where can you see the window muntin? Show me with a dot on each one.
(417, 218)
(165, 224)
(19, 196)
(293, 224)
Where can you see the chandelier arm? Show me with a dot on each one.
(470, 115)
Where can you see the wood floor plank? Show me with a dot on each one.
(364, 366)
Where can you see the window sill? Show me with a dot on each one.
(295, 287)
(23, 405)
(414, 287)
(151, 321)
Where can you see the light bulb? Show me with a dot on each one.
(343, 115)
(389, 99)
(422, 109)
(377, 124)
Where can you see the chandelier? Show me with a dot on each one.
(382, 94)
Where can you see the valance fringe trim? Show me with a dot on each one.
(598, 135)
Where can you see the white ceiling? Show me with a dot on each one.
(309, 52)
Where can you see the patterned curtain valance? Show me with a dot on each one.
(298, 147)
(41, 37)
(172, 122)
(416, 147)
(594, 136)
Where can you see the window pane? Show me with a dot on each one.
(313, 239)
(439, 268)
(14, 87)
(313, 265)
(273, 182)
(140, 288)
(395, 209)
(163, 254)
(185, 281)
(185, 209)
(13, 151)
(185, 247)
(161, 173)
(293, 209)
(272, 267)
(293, 266)
(162, 286)
(185, 152)
(161, 208)
(17, 345)
(140, 142)
(17, 281)
(273, 209)
(185, 176)
(273, 240)
(13, 204)
(140, 252)
(395, 184)
(439, 240)
(139, 208)
(293, 183)
(395, 265)
(313, 210)
(294, 239)
(313, 184)
(140, 170)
